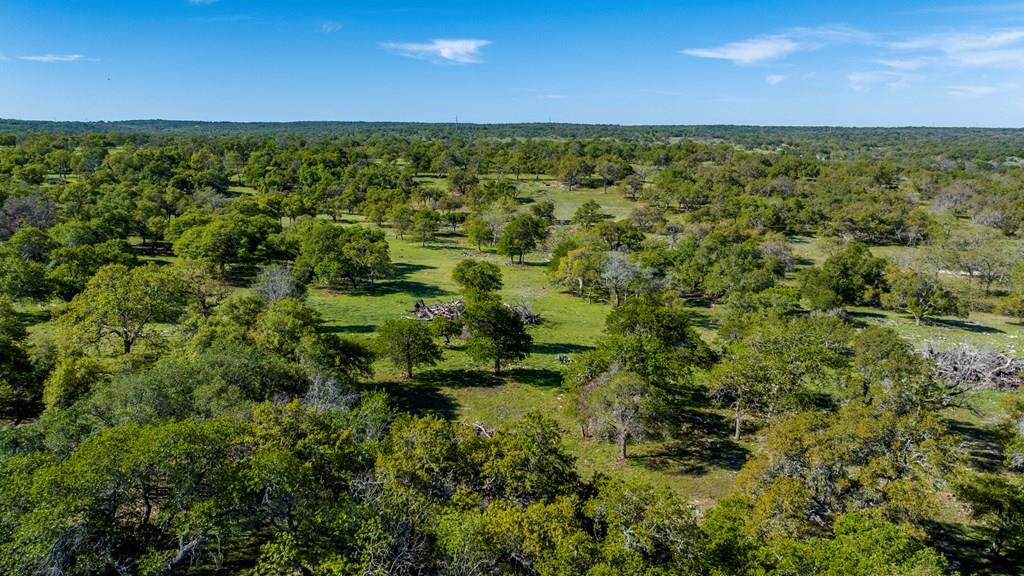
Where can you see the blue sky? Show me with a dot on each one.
(638, 62)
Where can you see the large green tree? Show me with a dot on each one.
(408, 343)
(121, 304)
(496, 333)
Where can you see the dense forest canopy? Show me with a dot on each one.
(989, 144)
(391, 348)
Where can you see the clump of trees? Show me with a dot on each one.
(333, 255)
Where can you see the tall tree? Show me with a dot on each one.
(477, 275)
(121, 304)
(496, 333)
(407, 343)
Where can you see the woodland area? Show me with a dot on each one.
(376, 348)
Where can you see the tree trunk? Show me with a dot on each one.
(622, 446)
(408, 367)
(739, 415)
(497, 366)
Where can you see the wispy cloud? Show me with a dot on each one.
(864, 81)
(907, 64)
(971, 91)
(202, 2)
(330, 26)
(774, 46)
(992, 49)
(53, 58)
(459, 51)
(774, 79)
(750, 51)
(977, 90)
(554, 96)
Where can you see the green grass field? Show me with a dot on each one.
(457, 388)
(702, 468)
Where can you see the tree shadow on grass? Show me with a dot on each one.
(419, 399)
(459, 378)
(30, 318)
(696, 456)
(401, 270)
(967, 552)
(410, 287)
(701, 319)
(559, 348)
(964, 325)
(446, 244)
(350, 329)
(153, 248)
(704, 444)
(542, 377)
(863, 319)
(980, 444)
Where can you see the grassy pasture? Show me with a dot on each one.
(702, 467)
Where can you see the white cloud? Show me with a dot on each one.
(749, 51)
(960, 42)
(53, 58)
(463, 51)
(770, 47)
(201, 2)
(864, 81)
(994, 49)
(904, 64)
(774, 79)
(971, 91)
(330, 26)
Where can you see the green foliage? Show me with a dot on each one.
(242, 438)
(71, 267)
(282, 326)
(776, 365)
(230, 239)
(333, 254)
(620, 406)
(425, 224)
(588, 214)
(223, 379)
(875, 461)
(861, 544)
(477, 275)
(643, 529)
(31, 243)
(521, 235)
(668, 325)
(496, 333)
(20, 389)
(74, 377)
(446, 328)
(921, 295)
(852, 276)
(407, 343)
(998, 504)
(22, 278)
(121, 304)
